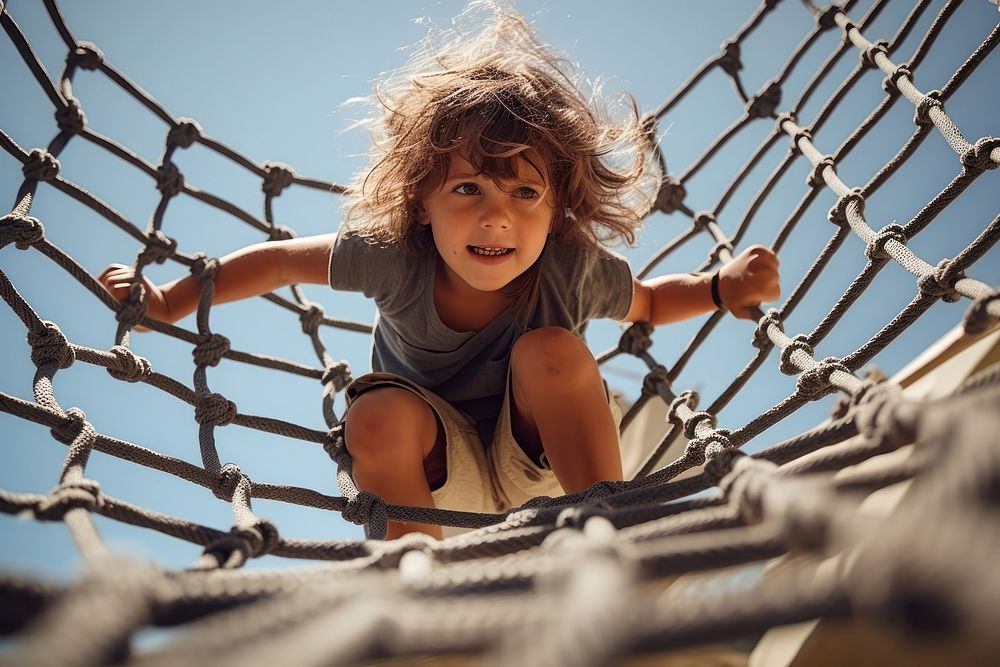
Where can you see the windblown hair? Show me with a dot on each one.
(496, 94)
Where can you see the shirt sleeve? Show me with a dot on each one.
(583, 284)
(605, 286)
(380, 271)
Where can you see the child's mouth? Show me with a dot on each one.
(488, 251)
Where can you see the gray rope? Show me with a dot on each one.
(559, 580)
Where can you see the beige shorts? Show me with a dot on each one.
(490, 479)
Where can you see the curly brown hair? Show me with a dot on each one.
(497, 95)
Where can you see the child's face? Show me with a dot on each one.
(488, 233)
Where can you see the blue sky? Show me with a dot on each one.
(271, 82)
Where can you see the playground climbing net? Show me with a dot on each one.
(559, 581)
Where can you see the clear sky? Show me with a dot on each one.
(271, 81)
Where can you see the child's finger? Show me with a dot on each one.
(111, 282)
(113, 268)
(765, 260)
(113, 271)
(120, 277)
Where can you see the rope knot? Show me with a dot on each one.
(338, 374)
(277, 177)
(815, 178)
(978, 156)
(24, 230)
(869, 55)
(71, 118)
(688, 398)
(210, 349)
(696, 420)
(261, 537)
(838, 212)
(41, 165)
(364, 507)
(575, 517)
(781, 118)
(169, 180)
(184, 133)
(128, 366)
(223, 547)
(204, 267)
(876, 251)
(763, 104)
(311, 318)
(656, 377)
(694, 452)
(75, 420)
(740, 465)
(814, 383)
(214, 410)
(670, 196)
(801, 133)
(978, 318)
(159, 248)
(729, 60)
(636, 338)
(281, 233)
(744, 486)
(133, 308)
(828, 19)
(48, 344)
(78, 494)
(86, 56)
(227, 479)
(720, 458)
(717, 249)
(941, 281)
(877, 415)
(761, 340)
(922, 113)
(873, 379)
(702, 220)
(334, 445)
(890, 84)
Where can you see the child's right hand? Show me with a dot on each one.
(254, 270)
(118, 280)
(750, 279)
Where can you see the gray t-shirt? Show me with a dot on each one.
(469, 369)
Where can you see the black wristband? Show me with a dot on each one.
(716, 298)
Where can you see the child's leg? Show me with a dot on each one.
(391, 435)
(560, 406)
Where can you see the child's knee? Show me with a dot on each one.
(549, 353)
(387, 422)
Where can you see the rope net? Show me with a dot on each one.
(559, 581)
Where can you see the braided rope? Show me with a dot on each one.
(573, 567)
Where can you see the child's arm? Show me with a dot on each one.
(744, 283)
(256, 269)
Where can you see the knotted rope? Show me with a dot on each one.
(617, 534)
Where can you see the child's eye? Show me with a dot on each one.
(467, 189)
(526, 193)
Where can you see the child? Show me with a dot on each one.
(477, 230)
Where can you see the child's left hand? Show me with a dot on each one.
(750, 279)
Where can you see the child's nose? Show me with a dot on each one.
(495, 217)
